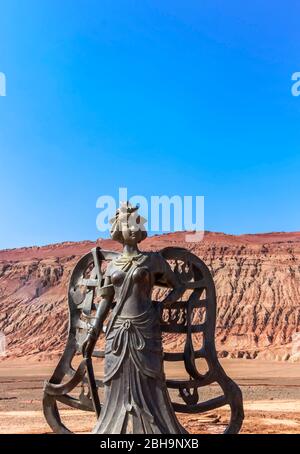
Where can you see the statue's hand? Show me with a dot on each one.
(90, 341)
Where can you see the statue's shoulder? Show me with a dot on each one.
(153, 255)
(111, 267)
(157, 261)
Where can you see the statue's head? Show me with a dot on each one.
(128, 226)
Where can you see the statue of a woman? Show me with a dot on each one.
(136, 389)
(136, 395)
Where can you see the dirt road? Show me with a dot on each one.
(271, 393)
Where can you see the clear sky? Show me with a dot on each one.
(161, 96)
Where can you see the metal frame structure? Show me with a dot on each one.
(84, 295)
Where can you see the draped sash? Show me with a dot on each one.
(137, 336)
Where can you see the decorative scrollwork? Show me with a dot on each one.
(197, 279)
(193, 315)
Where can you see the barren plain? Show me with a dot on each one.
(257, 279)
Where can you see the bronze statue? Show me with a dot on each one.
(118, 300)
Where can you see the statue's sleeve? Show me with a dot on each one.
(109, 270)
(162, 268)
(108, 288)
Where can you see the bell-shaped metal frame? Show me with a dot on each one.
(85, 285)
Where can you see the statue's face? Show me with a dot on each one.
(132, 235)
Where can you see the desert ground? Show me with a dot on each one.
(257, 279)
(271, 393)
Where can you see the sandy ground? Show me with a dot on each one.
(271, 397)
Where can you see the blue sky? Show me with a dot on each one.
(162, 97)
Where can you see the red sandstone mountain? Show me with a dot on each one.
(257, 279)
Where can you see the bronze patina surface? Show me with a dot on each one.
(112, 292)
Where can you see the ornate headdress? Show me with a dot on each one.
(127, 213)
